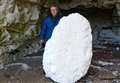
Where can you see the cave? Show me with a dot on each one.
(20, 48)
(106, 43)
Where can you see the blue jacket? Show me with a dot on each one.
(48, 26)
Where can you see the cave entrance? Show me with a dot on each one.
(106, 41)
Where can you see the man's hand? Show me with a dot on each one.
(42, 43)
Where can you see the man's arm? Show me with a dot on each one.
(42, 31)
(42, 34)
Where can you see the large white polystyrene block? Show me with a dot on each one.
(68, 52)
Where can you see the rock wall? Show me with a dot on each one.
(116, 18)
(19, 21)
(88, 3)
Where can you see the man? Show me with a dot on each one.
(49, 24)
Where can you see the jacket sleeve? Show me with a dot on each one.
(42, 31)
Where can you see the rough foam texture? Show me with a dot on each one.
(68, 53)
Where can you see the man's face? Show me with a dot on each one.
(53, 11)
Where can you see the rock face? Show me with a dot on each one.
(68, 52)
(18, 22)
(89, 3)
